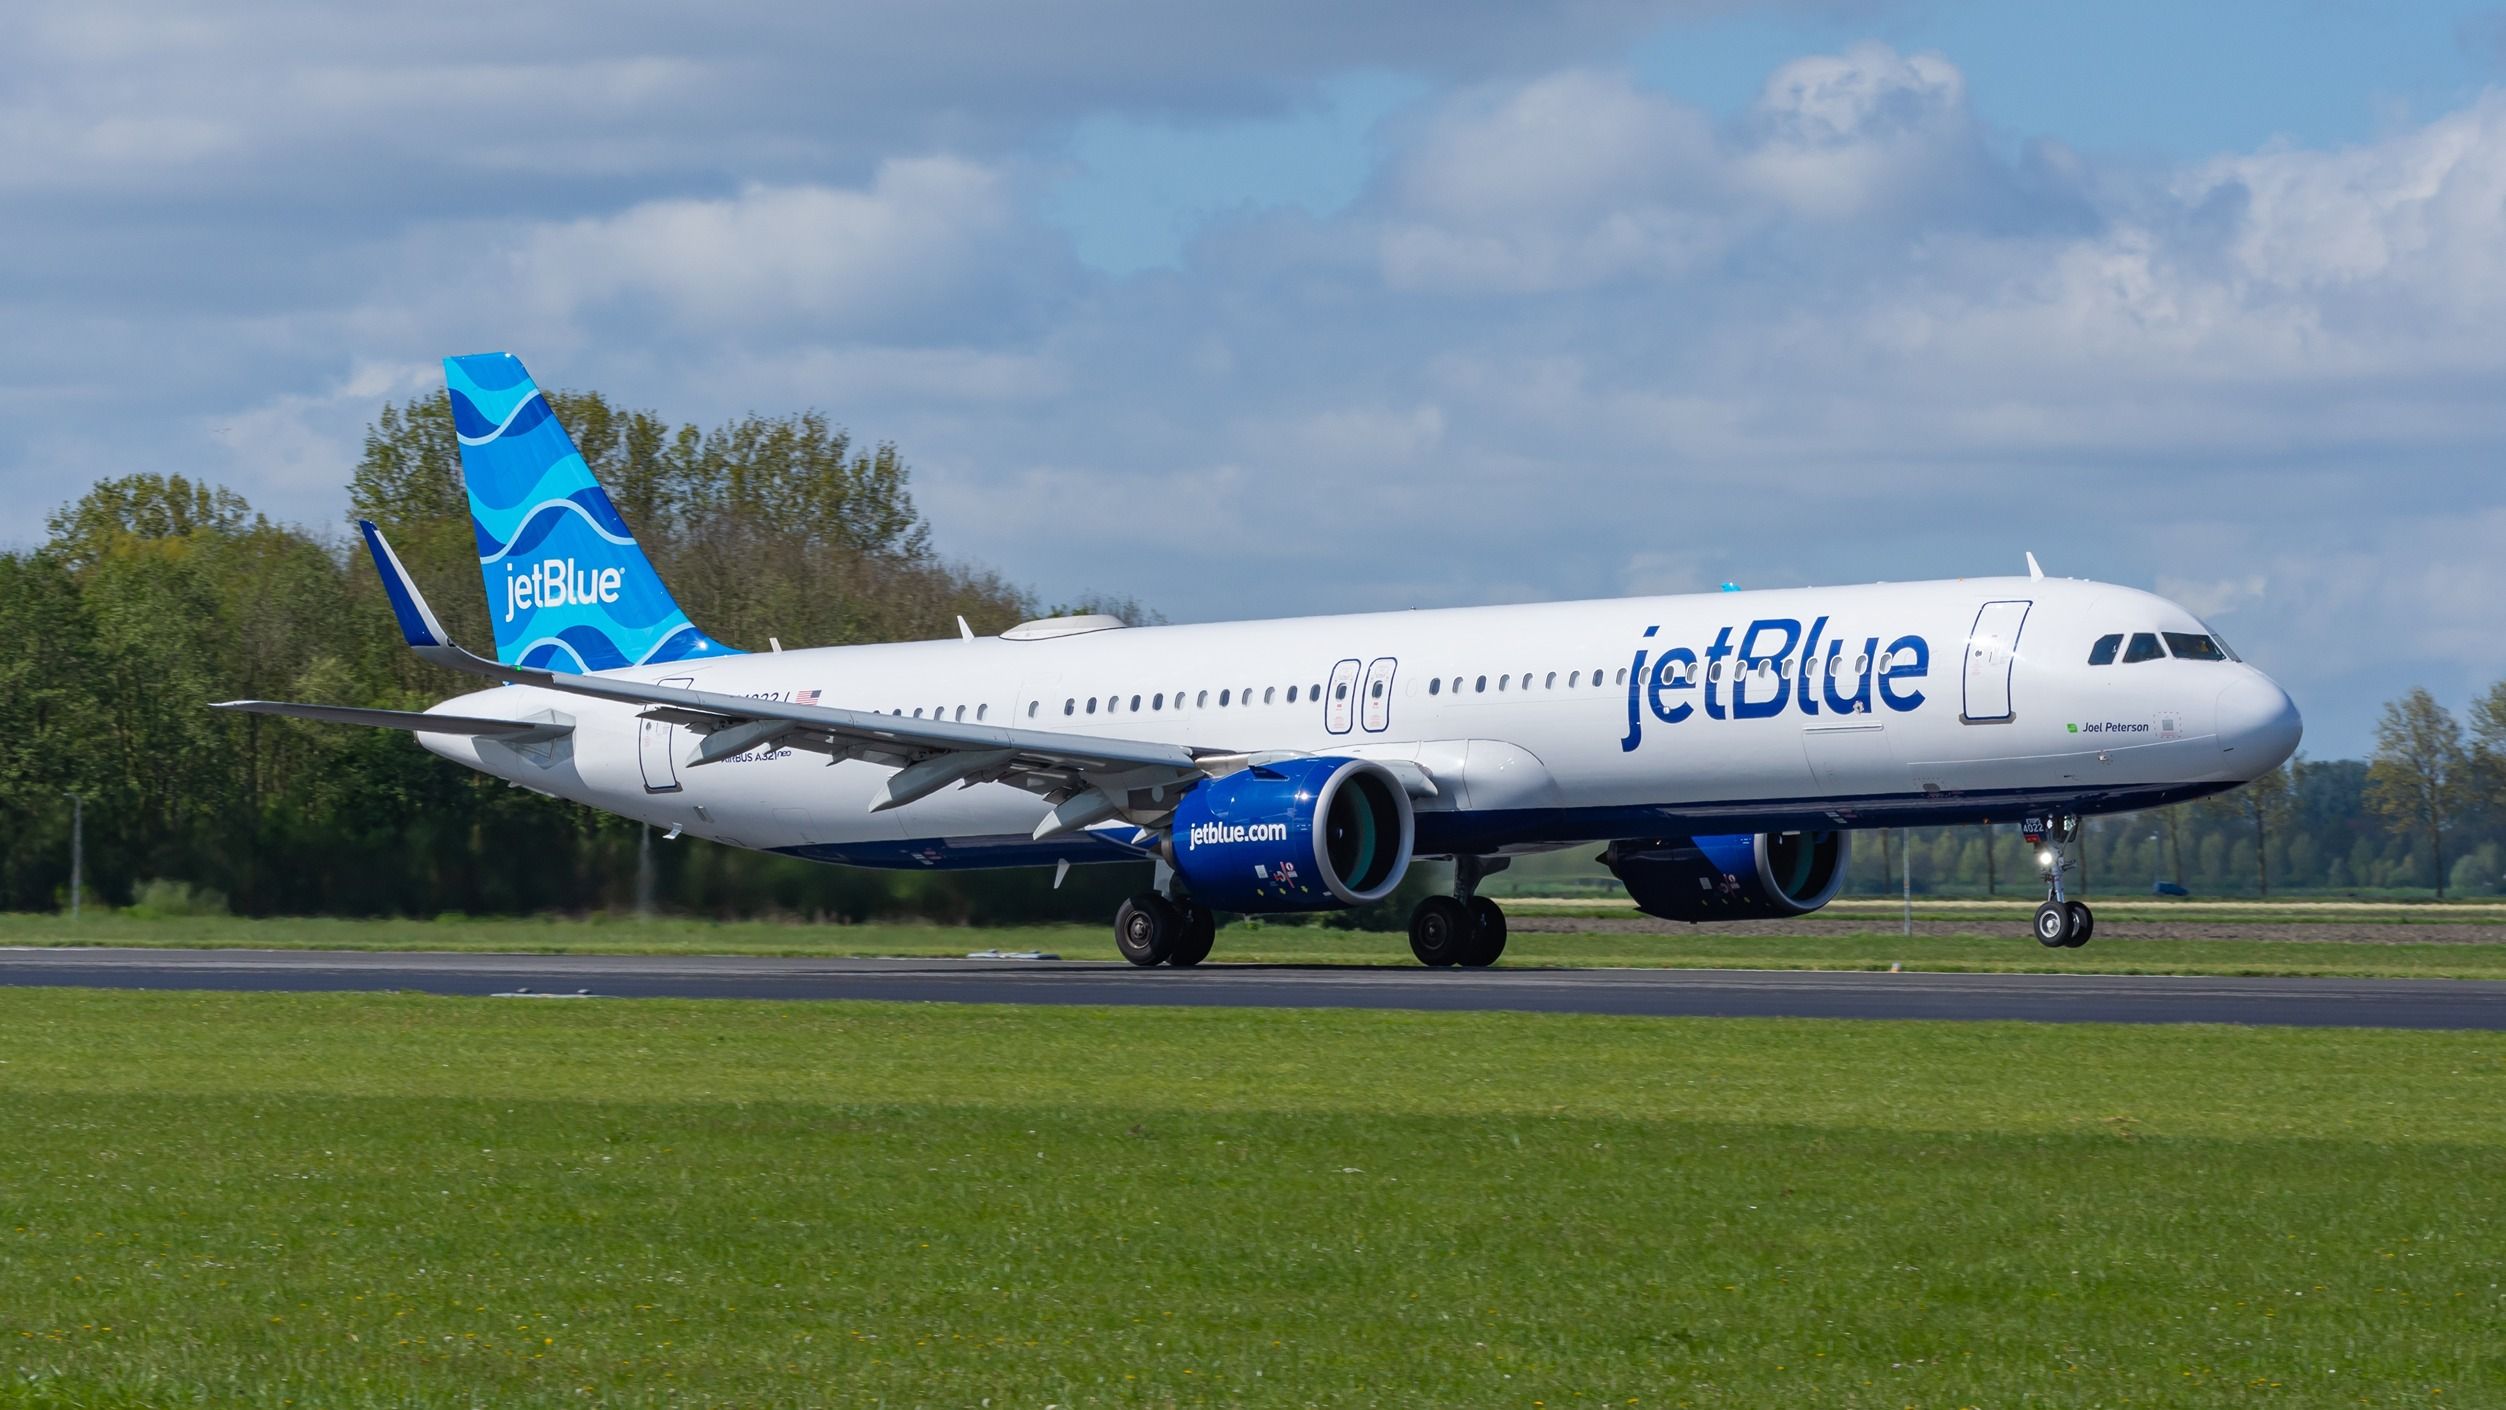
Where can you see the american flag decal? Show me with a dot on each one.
(804, 697)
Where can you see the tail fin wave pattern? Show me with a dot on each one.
(568, 588)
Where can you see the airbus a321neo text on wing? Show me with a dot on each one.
(1722, 749)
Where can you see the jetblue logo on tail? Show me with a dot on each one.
(567, 586)
(1768, 672)
(557, 582)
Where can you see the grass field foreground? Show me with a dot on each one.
(398, 1200)
(1982, 940)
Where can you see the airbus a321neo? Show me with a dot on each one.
(1722, 749)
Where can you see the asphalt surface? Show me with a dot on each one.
(2065, 998)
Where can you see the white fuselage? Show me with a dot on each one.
(1959, 701)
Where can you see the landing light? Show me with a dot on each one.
(2044, 859)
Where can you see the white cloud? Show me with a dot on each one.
(773, 255)
(1838, 136)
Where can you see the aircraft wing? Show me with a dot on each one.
(1088, 778)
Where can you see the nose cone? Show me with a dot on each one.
(2258, 723)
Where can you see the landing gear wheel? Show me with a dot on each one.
(1196, 932)
(1487, 932)
(1440, 932)
(2083, 924)
(2053, 925)
(1145, 929)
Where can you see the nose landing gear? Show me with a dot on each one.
(2061, 923)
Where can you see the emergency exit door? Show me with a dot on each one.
(1992, 653)
(657, 747)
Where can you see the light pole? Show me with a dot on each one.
(1905, 860)
(78, 851)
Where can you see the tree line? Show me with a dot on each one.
(152, 595)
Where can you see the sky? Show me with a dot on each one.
(1305, 307)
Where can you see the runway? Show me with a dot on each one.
(2058, 998)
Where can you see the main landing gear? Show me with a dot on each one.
(1464, 928)
(2061, 923)
(1151, 930)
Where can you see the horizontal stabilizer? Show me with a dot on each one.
(416, 721)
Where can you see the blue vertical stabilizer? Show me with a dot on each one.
(568, 588)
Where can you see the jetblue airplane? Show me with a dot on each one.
(1721, 748)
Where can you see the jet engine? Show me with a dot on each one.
(1296, 835)
(1744, 876)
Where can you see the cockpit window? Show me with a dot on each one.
(2190, 646)
(2144, 647)
(2102, 654)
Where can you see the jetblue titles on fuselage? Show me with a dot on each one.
(1659, 681)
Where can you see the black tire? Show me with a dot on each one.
(2083, 924)
(1440, 932)
(1196, 931)
(1487, 932)
(1145, 929)
(2053, 925)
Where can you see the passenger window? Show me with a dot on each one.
(1200, 700)
(1436, 686)
(1314, 692)
(961, 712)
(1135, 704)
(1340, 691)
(1269, 693)
(1378, 691)
(1574, 679)
(1502, 681)
(2188, 646)
(917, 712)
(1222, 696)
(1091, 704)
(1070, 706)
(1622, 675)
(982, 710)
(1158, 701)
(1292, 695)
(1482, 687)
(2144, 647)
(1031, 708)
(1714, 672)
(1783, 670)
(1861, 663)
(2102, 654)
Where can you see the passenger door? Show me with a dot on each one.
(1992, 651)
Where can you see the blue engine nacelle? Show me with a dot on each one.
(1747, 876)
(1299, 835)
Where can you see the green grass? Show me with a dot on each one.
(383, 1200)
(1998, 943)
